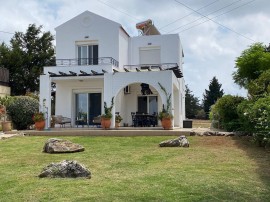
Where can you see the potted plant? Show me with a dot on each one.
(165, 116)
(6, 125)
(106, 117)
(118, 120)
(39, 120)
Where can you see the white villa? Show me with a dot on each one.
(96, 59)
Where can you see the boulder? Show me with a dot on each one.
(192, 133)
(65, 169)
(183, 141)
(178, 142)
(170, 143)
(54, 145)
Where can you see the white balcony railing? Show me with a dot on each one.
(87, 61)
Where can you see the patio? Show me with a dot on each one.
(117, 132)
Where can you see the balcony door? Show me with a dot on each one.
(88, 55)
(88, 106)
(147, 104)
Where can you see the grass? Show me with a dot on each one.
(198, 123)
(136, 169)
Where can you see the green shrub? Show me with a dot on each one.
(21, 111)
(200, 114)
(225, 112)
(257, 114)
(32, 95)
(6, 101)
(242, 111)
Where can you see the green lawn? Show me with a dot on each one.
(136, 169)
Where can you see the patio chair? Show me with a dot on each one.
(62, 121)
(97, 121)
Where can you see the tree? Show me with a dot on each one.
(25, 58)
(211, 96)
(251, 64)
(260, 87)
(192, 104)
(225, 112)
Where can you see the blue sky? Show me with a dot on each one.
(210, 46)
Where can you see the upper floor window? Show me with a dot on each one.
(150, 55)
(88, 55)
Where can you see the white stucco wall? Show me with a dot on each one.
(99, 30)
(45, 97)
(65, 93)
(120, 105)
(4, 91)
(123, 48)
(76, 69)
(169, 47)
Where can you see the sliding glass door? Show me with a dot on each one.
(94, 106)
(88, 55)
(87, 106)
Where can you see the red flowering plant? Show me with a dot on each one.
(38, 116)
(3, 112)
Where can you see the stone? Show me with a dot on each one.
(183, 141)
(212, 133)
(178, 142)
(199, 133)
(65, 169)
(170, 143)
(192, 133)
(207, 133)
(54, 145)
(4, 136)
(229, 134)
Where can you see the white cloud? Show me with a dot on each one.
(210, 49)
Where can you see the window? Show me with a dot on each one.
(150, 55)
(88, 55)
(147, 104)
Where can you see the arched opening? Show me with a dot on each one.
(138, 104)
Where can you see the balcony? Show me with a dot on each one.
(157, 67)
(87, 61)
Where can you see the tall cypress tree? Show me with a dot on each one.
(192, 104)
(211, 96)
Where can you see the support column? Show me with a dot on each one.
(45, 98)
(170, 91)
(108, 94)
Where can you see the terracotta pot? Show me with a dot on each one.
(105, 123)
(166, 123)
(117, 124)
(6, 126)
(40, 125)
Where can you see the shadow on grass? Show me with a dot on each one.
(259, 155)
